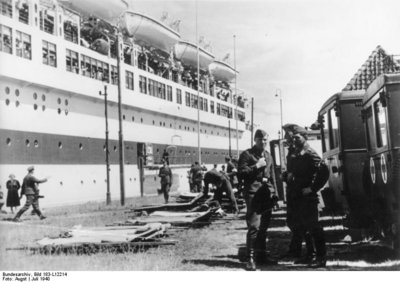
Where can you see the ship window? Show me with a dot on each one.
(16, 103)
(17, 92)
(35, 106)
(72, 61)
(114, 75)
(59, 101)
(153, 122)
(35, 8)
(141, 120)
(47, 17)
(35, 96)
(23, 10)
(5, 39)
(8, 142)
(129, 80)
(36, 144)
(169, 93)
(380, 124)
(43, 97)
(23, 45)
(49, 53)
(59, 111)
(187, 99)
(160, 123)
(60, 145)
(143, 84)
(6, 8)
(133, 118)
(7, 89)
(7, 102)
(27, 143)
(66, 102)
(179, 96)
(123, 117)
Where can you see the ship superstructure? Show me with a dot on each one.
(55, 60)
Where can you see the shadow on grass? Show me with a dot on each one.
(216, 263)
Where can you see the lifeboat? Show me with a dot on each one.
(108, 10)
(148, 31)
(222, 71)
(187, 53)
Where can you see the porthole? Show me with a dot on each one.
(80, 146)
(81, 181)
(35, 96)
(17, 92)
(8, 141)
(16, 103)
(43, 97)
(7, 102)
(59, 101)
(130, 179)
(27, 143)
(43, 108)
(61, 183)
(180, 127)
(7, 90)
(66, 112)
(141, 120)
(154, 122)
(123, 117)
(36, 144)
(170, 125)
(133, 118)
(35, 107)
(60, 145)
(160, 123)
(94, 181)
(59, 111)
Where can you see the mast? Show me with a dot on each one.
(236, 97)
(198, 92)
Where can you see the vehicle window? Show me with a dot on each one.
(334, 130)
(380, 124)
(325, 128)
(370, 129)
(277, 155)
(352, 128)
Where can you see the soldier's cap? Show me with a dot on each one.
(30, 168)
(260, 134)
(289, 127)
(299, 130)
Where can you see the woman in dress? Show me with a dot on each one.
(12, 196)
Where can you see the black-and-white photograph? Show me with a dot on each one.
(198, 135)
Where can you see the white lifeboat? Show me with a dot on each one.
(108, 10)
(187, 53)
(222, 71)
(148, 31)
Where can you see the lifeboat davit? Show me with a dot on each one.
(148, 31)
(222, 71)
(187, 53)
(108, 10)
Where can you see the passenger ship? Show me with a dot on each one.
(56, 56)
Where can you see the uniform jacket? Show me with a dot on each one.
(251, 175)
(304, 167)
(214, 177)
(29, 185)
(166, 175)
(196, 173)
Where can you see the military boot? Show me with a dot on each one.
(251, 263)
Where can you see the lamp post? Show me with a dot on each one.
(279, 94)
(108, 195)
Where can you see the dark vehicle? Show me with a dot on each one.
(381, 116)
(344, 151)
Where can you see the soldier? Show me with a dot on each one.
(166, 179)
(305, 164)
(196, 173)
(231, 172)
(221, 181)
(292, 217)
(29, 186)
(256, 168)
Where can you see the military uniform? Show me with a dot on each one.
(166, 179)
(196, 173)
(304, 167)
(258, 198)
(223, 185)
(29, 186)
